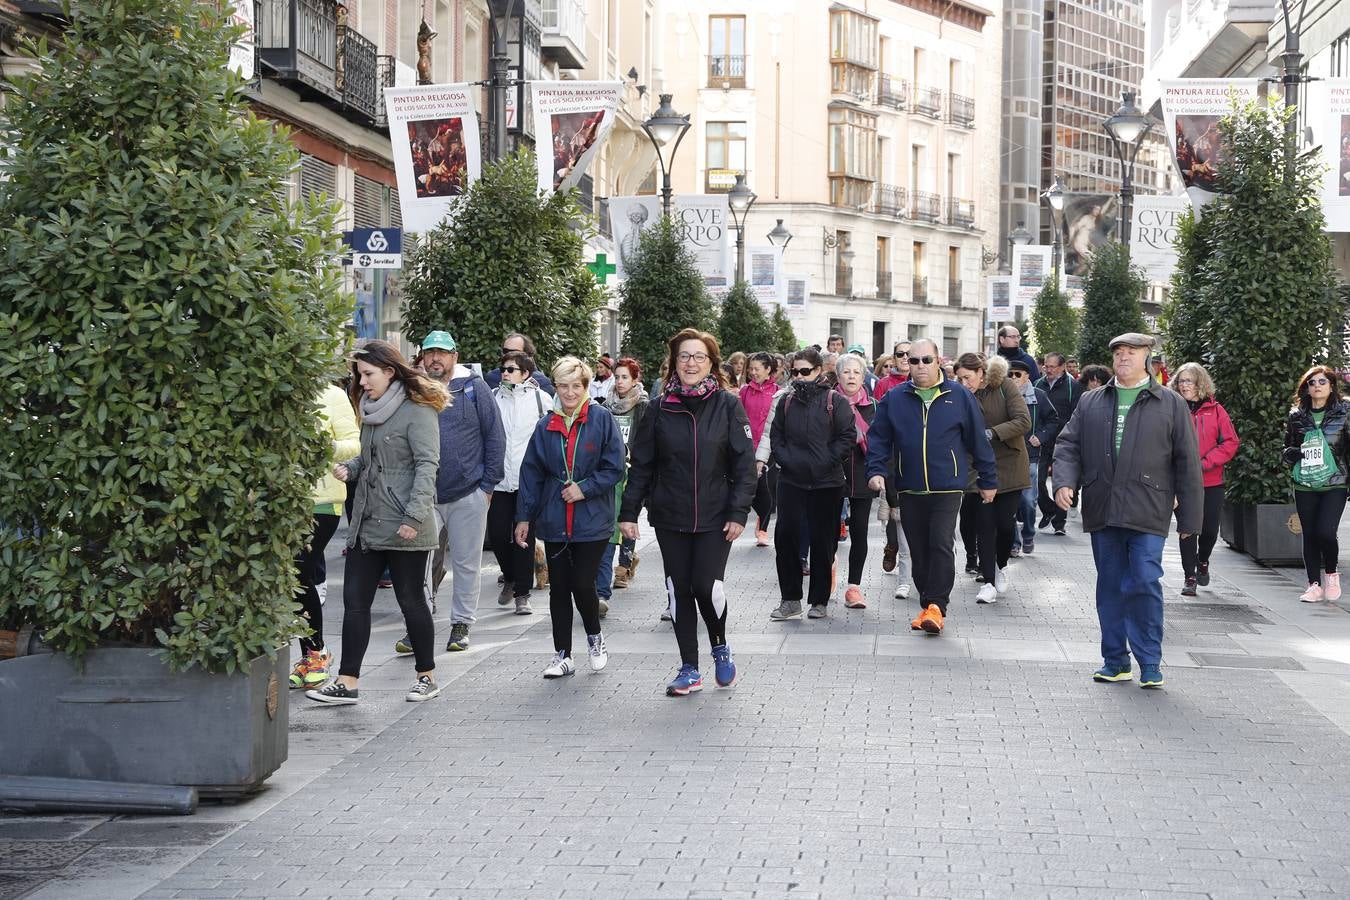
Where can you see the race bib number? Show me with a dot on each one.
(1313, 452)
(625, 428)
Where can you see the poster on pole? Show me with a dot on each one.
(573, 119)
(1154, 232)
(796, 295)
(1031, 267)
(628, 218)
(1329, 101)
(1000, 298)
(243, 52)
(434, 132)
(702, 221)
(1192, 108)
(763, 266)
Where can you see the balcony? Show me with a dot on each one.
(843, 280)
(926, 207)
(890, 200)
(357, 76)
(564, 33)
(961, 110)
(953, 293)
(384, 77)
(892, 92)
(920, 294)
(928, 102)
(960, 213)
(884, 285)
(297, 40)
(726, 72)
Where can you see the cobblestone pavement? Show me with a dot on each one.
(854, 759)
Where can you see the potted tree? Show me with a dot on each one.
(169, 320)
(662, 294)
(1111, 292)
(742, 326)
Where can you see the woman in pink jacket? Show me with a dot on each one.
(1218, 444)
(757, 396)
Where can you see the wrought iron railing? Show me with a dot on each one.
(953, 293)
(298, 39)
(920, 293)
(384, 77)
(843, 280)
(892, 92)
(727, 71)
(884, 285)
(359, 81)
(960, 213)
(960, 110)
(890, 200)
(926, 207)
(928, 102)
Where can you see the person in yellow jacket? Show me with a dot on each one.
(339, 421)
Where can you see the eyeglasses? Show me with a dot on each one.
(922, 360)
(511, 370)
(1319, 380)
(699, 358)
(1190, 381)
(802, 373)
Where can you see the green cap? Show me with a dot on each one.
(856, 348)
(440, 340)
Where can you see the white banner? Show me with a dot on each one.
(1192, 108)
(1153, 233)
(1000, 298)
(763, 270)
(435, 137)
(572, 119)
(1329, 104)
(1031, 268)
(703, 222)
(796, 295)
(244, 51)
(628, 216)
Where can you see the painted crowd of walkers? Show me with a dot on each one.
(555, 471)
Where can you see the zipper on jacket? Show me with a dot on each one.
(954, 467)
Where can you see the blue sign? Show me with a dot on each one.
(375, 248)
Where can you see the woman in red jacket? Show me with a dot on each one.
(1218, 444)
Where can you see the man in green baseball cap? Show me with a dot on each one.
(439, 340)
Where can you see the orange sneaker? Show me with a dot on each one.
(931, 620)
(853, 598)
(917, 623)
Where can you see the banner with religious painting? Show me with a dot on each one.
(573, 118)
(435, 137)
(1192, 108)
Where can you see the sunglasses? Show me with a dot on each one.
(1319, 381)
(1015, 373)
(922, 360)
(802, 373)
(511, 370)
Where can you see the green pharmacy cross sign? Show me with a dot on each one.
(602, 268)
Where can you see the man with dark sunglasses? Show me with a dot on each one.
(515, 342)
(933, 430)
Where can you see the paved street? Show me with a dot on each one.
(853, 759)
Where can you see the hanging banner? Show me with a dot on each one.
(572, 118)
(1329, 101)
(796, 295)
(435, 137)
(1154, 233)
(703, 221)
(1090, 220)
(243, 52)
(1192, 108)
(1031, 267)
(763, 267)
(628, 216)
(1000, 298)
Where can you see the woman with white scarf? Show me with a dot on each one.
(851, 372)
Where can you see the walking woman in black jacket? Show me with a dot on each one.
(693, 465)
(1316, 449)
(811, 436)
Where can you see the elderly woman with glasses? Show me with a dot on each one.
(1315, 447)
(1218, 442)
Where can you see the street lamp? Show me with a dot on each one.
(1055, 197)
(740, 199)
(780, 236)
(1018, 237)
(666, 125)
(1127, 129)
(499, 81)
(1291, 76)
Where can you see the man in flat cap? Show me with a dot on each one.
(1132, 447)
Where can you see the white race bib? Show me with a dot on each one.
(1312, 452)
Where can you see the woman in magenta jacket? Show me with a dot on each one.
(1218, 444)
(757, 396)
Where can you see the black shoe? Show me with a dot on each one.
(1188, 590)
(1045, 520)
(1202, 575)
(1059, 530)
(972, 568)
(459, 637)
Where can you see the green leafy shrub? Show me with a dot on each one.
(1054, 323)
(784, 336)
(663, 294)
(511, 259)
(1112, 289)
(1185, 320)
(168, 323)
(743, 327)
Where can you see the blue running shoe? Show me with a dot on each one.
(724, 665)
(1150, 676)
(1109, 673)
(685, 683)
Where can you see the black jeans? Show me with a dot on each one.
(312, 572)
(361, 576)
(859, 511)
(571, 578)
(1196, 548)
(766, 495)
(1319, 512)
(1058, 517)
(696, 565)
(819, 508)
(517, 563)
(994, 525)
(929, 521)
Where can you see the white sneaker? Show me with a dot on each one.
(1001, 581)
(987, 594)
(560, 667)
(596, 648)
(902, 592)
(1312, 595)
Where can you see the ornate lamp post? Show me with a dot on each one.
(780, 236)
(1055, 197)
(740, 199)
(664, 126)
(1018, 237)
(1127, 129)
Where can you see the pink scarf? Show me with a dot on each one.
(859, 399)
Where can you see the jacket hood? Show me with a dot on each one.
(995, 371)
(460, 373)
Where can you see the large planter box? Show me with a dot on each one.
(1271, 533)
(125, 716)
(1230, 526)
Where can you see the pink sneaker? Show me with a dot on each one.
(1312, 595)
(1332, 590)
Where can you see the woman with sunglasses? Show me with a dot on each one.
(522, 403)
(1218, 442)
(810, 438)
(1316, 450)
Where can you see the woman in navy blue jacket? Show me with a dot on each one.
(567, 480)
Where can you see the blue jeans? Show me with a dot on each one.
(604, 578)
(1026, 510)
(1129, 595)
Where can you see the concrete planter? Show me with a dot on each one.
(1230, 527)
(125, 716)
(1270, 533)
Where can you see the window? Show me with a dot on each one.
(852, 157)
(725, 145)
(843, 328)
(883, 254)
(317, 177)
(726, 56)
(951, 342)
(853, 38)
(1340, 56)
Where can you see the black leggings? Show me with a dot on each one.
(1319, 513)
(819, 509)
(312, 572)
(1196, 548)
(517, 562)
(361, 576)
(766, 494)
(859, 511)
(571, 578)
(990, 528)
(695, 567)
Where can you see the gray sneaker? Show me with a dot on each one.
(459, 637)
(817, 611)
(523, 606)
(604, 607)
(788, 609)
(506, 594)
(423, 689)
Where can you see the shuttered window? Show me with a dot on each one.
(368, 202)
(317, 177)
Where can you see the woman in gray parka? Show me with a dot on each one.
(392, 520)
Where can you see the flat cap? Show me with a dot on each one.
(1132, 339)
(1017, 365)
